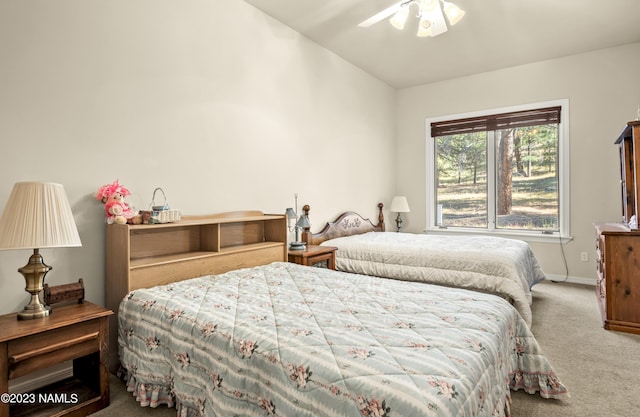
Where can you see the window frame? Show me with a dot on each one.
(563, 233)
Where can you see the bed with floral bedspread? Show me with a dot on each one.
(290, 340)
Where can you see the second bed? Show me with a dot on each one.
(506, 267)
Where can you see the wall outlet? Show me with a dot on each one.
(584, 256)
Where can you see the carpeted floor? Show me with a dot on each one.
(600, 368)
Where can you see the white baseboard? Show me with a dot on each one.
(40, 379)
(574, 280)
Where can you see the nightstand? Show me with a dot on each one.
(73, 332)
(315, 256)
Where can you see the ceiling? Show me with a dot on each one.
(493, 34)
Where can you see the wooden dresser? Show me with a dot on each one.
(618, 268)
(618, 244)
(143, 256)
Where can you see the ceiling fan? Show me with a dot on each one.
(429, 12)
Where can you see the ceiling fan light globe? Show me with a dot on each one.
(454, 13)
(399, 19)
(424, 29)
(428, 4)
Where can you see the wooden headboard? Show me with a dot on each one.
(347, 224)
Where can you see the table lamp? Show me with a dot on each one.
(297, 223)
(37, 216)
(399, 205)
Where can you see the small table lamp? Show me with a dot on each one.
(297, 223)
(399, 205)
(37, 216)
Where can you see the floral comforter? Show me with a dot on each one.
(290, 340)
(496, 265)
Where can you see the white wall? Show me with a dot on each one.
(603, 89)
(215, 102)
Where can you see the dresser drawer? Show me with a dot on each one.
(51, 347)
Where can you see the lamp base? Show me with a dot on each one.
(34, 310)
(398, 223)
(34, 273)
(297, 245)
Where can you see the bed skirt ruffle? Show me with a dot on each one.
(148, 395)
(547, 385)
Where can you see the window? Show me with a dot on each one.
(501, 171)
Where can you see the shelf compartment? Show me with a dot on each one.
(152, 241)
(184, 266)
(241, 233)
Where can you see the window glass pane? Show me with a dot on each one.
(461, 180)
(527, 178)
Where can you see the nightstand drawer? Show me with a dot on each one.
(312, 260)
(314, 254)
(51, 347)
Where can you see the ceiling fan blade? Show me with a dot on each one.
(382, 15)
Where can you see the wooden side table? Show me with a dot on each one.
(73, 332)
(313, 255)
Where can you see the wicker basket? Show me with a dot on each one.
(160, 213)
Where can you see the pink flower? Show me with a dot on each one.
(267, 405)
(299, 374)
(152, 343)
(174, 314)
(444, 388)
(372, 407)
(360, 353)
(208, 329)
(183, 359)
(246, 348)
(475, 344)
(301, 332)
(215, 380)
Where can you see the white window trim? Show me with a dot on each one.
(563, 235)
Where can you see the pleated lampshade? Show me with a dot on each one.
(38, 215)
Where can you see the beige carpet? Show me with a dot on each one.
(600, 368)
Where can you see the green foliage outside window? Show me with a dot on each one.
(521, 186)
